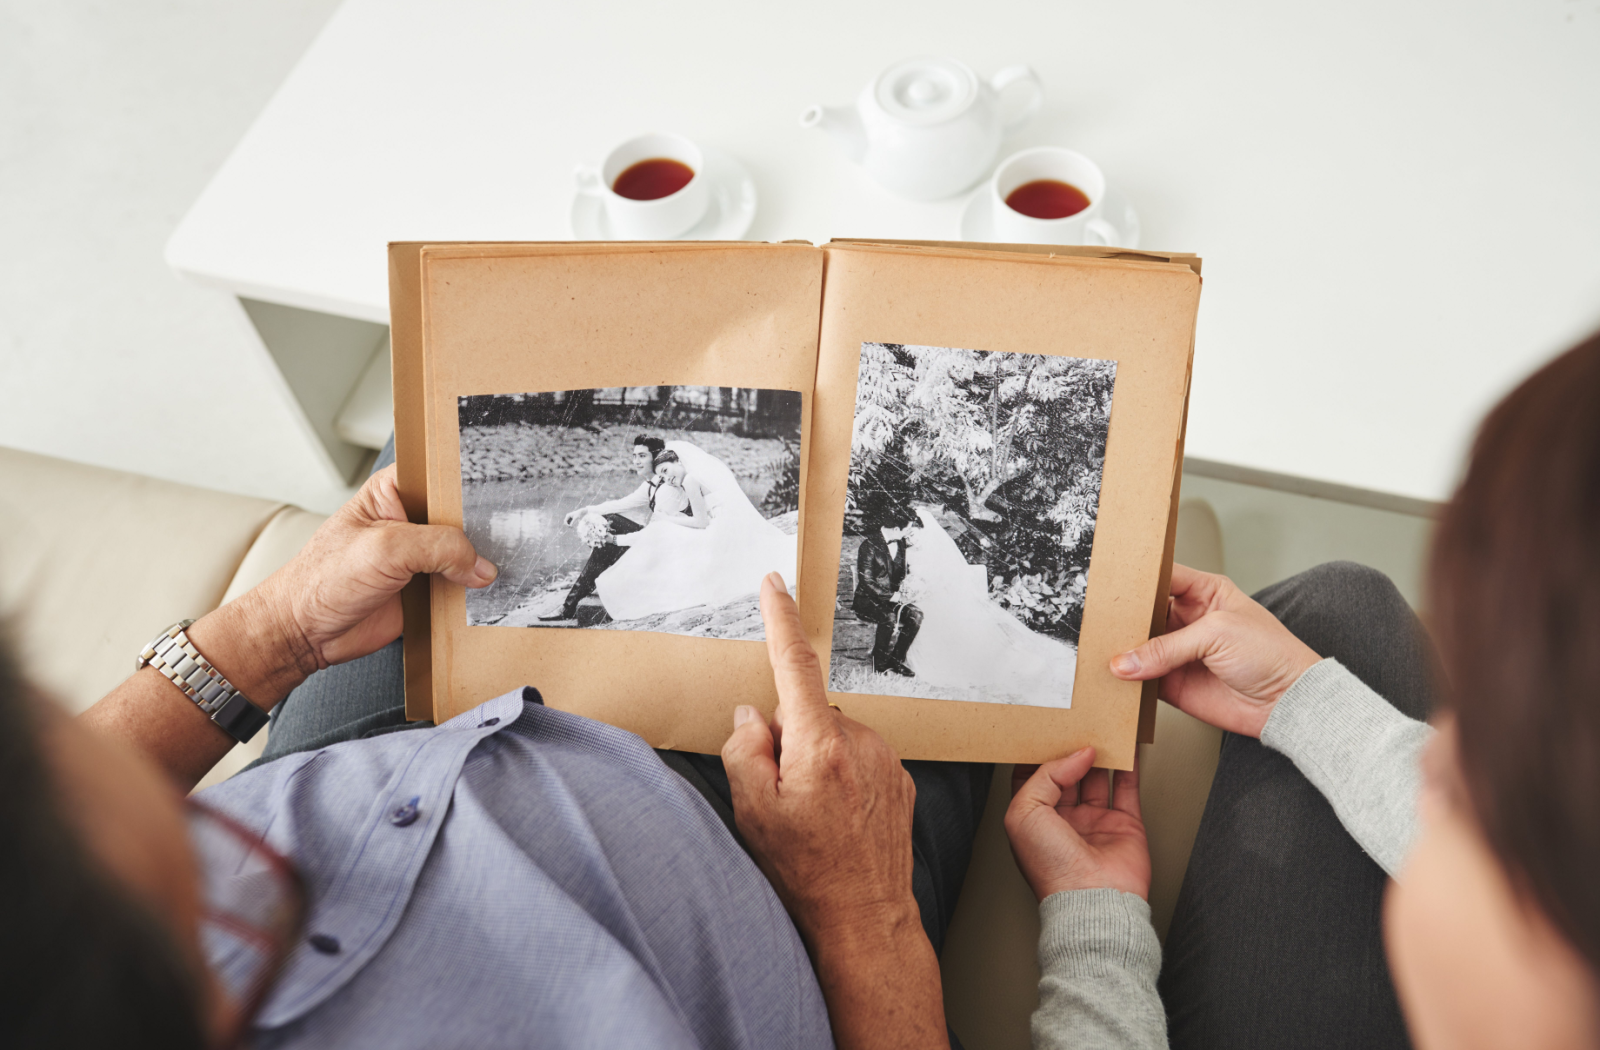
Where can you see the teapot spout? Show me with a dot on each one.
(843, 123)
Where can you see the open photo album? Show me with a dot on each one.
(962, 460)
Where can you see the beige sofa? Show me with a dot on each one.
(93, 562)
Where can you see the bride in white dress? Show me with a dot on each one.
(716, 550)
(968, 642)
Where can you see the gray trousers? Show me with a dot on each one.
(1276, 940)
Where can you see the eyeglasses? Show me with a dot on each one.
(252, 906)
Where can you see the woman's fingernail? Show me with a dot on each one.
(742, 714)
(776, 579)
(1126, 663)
(485, 569)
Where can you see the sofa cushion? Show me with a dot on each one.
(280, 540)
(94, 562)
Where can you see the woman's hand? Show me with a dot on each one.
(825, 806)
(1224, 659)
(1069, 832)
(339, 598)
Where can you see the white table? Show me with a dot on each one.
(1396, 203)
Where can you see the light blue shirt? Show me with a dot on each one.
(521, 877)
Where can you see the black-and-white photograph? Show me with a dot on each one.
(648, 508)
(970, 513)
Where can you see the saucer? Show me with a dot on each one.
(977, 218)
(729, 212)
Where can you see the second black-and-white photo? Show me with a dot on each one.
(970, 512)
(654, 508)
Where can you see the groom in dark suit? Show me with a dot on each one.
(628, 514)
(880, 569)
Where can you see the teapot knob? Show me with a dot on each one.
(922, 91)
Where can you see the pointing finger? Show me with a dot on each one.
(796, 671)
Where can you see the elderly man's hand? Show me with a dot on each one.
(826, 806)
(339, 598)
(822, 800)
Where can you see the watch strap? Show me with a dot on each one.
(175, 656)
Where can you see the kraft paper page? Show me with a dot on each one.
(1136, 314)
(550, 326)
(501, 321)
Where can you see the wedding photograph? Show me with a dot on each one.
(648, 508)
(969, 522)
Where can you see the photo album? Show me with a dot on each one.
(963, 460)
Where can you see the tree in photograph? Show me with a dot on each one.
(784, 495)
(577, 408)
(1012, 443)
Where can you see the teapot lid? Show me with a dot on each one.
(925, 90)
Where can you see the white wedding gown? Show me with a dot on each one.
(670, 567)
(968, 641)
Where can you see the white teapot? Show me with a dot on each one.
(928, 128)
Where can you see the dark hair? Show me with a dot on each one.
(655, 445)
(1515, 602)
(899, 516)
(665, 456)
(84, 964)
(888, 515)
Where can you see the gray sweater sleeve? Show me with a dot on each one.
(1098, 963)
(1098, 955)
(1361, 753)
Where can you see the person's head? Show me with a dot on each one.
(1494, 925)
(100, 925)
(669, 467)
(895, 519)
(645, 450)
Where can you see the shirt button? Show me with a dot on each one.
(325, 944)
(489, 722)
(407, 814)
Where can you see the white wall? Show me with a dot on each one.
(113, 116)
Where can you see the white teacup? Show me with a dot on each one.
(1062, 165)
(648, 220)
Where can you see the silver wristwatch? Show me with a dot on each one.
(171, 653)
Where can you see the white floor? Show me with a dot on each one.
(112, 118)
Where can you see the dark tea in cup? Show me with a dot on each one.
(1046, 199)
(652, 179)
